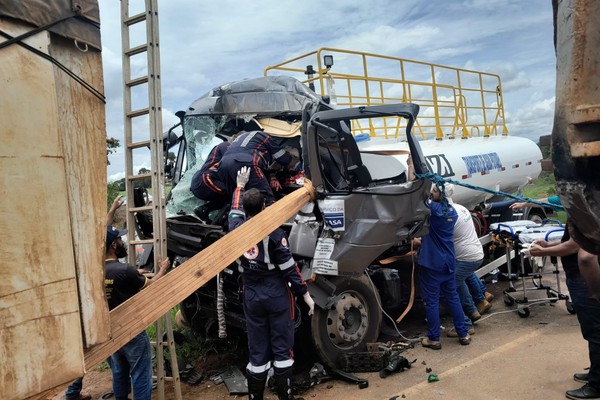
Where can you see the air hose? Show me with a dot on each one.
(220, 310)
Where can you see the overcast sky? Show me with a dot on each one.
(205, 44)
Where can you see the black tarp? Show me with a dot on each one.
(84, 26)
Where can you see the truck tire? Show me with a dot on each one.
(350, 324)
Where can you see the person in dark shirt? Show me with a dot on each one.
(131, 365)
(585, 305)
(271, 278)
(256, 150)
(73, 392)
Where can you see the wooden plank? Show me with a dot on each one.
(133, 316)
(81, 120)
(40, 329)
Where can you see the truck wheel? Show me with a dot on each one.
(350, 324)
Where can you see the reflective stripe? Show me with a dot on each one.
(248, 139)
(279, 153)
(237, 213)
(288, 264)
(267, 257)
(257, 369)
(283, 364)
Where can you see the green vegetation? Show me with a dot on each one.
(542, 188)
(195, 348)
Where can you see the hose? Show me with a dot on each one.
(220, 311)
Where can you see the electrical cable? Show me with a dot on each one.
(40, 53)
(387, 315)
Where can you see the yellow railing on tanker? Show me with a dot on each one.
(453, 101)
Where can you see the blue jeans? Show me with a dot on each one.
(588, 314)
(74, 389)
(435, 284)
(131, 366)
(464, 269)
(476, 287)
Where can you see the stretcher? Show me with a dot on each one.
(518, 236)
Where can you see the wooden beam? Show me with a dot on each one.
(137, 313)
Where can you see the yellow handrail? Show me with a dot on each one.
(453, 101)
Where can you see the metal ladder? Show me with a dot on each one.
(151, 138)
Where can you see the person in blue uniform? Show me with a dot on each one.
(270, 278)
(437, 268)
(207, 185)
(256, 150)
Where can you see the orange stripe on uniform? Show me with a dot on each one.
(208, 182)
(292, 303)
(235, 203)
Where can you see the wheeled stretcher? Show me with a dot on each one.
(518, 236)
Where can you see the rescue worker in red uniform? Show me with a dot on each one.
(207, 185)
(271, 279)
(256, 150)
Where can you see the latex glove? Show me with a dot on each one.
(274, 183)
(309, 302)
(243, 176)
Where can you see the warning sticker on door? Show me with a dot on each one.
(325, 267)
(324, 248)
(334, 213)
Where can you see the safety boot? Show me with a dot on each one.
(283, 385)
(202, 212)
(256, 387)
(483, 306)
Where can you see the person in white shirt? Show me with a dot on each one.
(469, 256)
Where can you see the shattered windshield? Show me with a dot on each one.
(202, 133)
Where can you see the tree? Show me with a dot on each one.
(146, 182)
(111, 147)
(111, 194)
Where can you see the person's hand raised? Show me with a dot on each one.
(243, 176)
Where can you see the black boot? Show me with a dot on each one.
(202, 212)
(283, 384)
(256, 387)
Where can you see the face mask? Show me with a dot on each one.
(121, 250)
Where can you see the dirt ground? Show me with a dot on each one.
(510, 357)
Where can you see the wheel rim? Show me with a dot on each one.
(348, 321)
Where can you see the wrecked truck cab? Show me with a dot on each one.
(357, 219)
(225, 111)
(363, 220)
